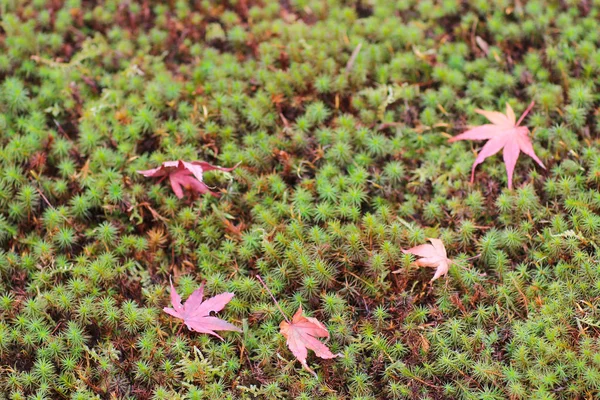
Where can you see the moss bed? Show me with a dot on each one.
(339, 114)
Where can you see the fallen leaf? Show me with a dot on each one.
(185, 174)
(432, 255)
(195, 313)
(301, 335)
(482, 45)
(503, 133)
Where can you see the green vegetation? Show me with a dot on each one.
(344, 162)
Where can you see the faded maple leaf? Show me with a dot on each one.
(195, 313)
(432, 255)
(185, 174)
(301, 334)
(503, 133)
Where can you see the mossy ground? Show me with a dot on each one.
(344, 161)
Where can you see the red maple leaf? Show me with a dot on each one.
(302, 334)
(185, 174)
(195, 313)
(432, 255)
(503, 133)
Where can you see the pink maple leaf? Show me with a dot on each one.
(432, 255)
(503, 133)
(301, 335)
(185, 174)
(195, 313)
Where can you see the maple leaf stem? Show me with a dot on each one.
(529, 107)
(472, 258)
(274, 299)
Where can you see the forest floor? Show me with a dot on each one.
(337, 114)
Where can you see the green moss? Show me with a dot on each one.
(339, 115)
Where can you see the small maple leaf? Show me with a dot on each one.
(185, 174)
(503, 133)
(301, 335)
(195, 313)
(432, 255)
